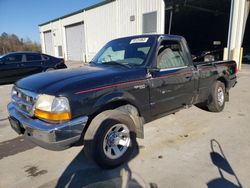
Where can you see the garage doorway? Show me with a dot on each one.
(48, 42)
(204, 24)
(75, 42)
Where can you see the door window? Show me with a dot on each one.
(170, 55)
(33, 57)
(14, 58)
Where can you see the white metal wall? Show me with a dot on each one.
(126, 27)
(113, 20)
(101, 27)
(75, 42)
(48, 43)
(107, 22)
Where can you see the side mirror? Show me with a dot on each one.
(153, 70)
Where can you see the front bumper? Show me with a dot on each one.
(47, 135)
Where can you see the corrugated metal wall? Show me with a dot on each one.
(115, 19)
(101, 27)
(126, 9)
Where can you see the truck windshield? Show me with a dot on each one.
(127, 52)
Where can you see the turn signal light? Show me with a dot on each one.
(63, 116)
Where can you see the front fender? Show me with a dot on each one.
(112, 97)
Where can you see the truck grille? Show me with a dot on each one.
(24, 101)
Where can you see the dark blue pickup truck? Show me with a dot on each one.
(104, 105)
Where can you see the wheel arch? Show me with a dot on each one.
(122, 102)
(224, 81)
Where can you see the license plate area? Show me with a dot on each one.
(16, 125)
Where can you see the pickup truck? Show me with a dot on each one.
(104, 105)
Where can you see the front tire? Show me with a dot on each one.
(218, 97)
(110, 138)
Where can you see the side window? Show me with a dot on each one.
(14, 58)
(170, 55)
(33, 57)
(44, 57)
(111, 55)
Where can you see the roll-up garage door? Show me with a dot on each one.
(48, 42)
(75, 42)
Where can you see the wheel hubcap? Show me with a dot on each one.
(116, 141)
(220, 96)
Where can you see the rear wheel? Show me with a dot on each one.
(110, 139)
(217, 102)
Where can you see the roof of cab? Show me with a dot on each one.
(157, 36)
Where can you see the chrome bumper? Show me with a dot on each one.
(46, 135)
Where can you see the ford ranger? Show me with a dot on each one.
(104, 105)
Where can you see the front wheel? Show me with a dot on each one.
(110, 138)
(217, 102)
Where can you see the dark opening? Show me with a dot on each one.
(246, 43)
(204, 23)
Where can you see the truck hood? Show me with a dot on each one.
(60, 81)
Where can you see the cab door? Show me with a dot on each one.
(172, 84)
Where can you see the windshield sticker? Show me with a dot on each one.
(139, 40)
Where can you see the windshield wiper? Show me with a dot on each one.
(117, 63)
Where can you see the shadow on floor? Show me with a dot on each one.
(15, 146)
(220, 161)
(3, 119)
(83, 173)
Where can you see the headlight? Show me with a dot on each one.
(52, 108)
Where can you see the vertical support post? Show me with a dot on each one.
(239, 10)
(241, 55)
(225, 54)
(232, 27)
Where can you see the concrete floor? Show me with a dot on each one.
(193, 148)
